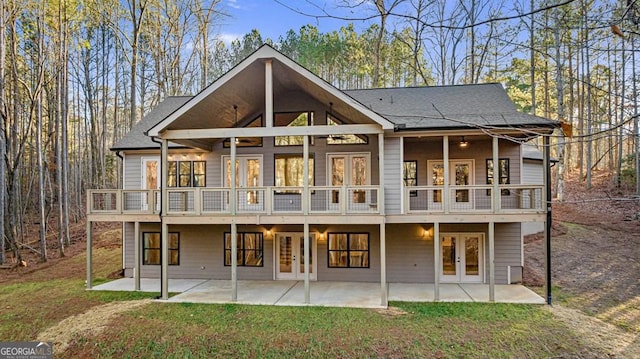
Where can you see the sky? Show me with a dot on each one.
(273, 19)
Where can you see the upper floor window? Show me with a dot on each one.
(503, 173)
(290, 170)
(292, 119)
(186, 174)
(247, 141)
(344, 139)
(410, 175)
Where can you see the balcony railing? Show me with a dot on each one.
(473, 199)
(255, 200)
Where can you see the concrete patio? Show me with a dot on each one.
(332, 294)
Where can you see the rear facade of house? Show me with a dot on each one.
(409, 185)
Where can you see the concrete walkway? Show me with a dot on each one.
(332, 294)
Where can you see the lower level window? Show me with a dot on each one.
(348, 250)
(151, 248)
(250, 249)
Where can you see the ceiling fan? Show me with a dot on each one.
(332, 137)
(239, 140)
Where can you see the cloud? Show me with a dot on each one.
(234, 4)
(227, 38)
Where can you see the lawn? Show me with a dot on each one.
(44, 298)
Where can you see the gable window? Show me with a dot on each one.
(348, 250)
(290, 170)
(247, 141)
(250, 249)
(503, 174)
(186, 173)
(410, 175)
(350, 139)
(292, 119)
(151, 248)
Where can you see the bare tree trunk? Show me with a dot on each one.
(560, 100)
(533, 59)
(3, 137)
(41, 169)
(587, 63)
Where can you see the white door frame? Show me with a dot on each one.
(460, 276)
(347, 175)
(452, 182)
(297, 240)
(143, 180)
(242, 179)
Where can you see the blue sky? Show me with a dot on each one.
(273, 19)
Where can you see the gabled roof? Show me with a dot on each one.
(136, 138)
(448, 107)
(244, 87)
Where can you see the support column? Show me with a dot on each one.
(164, 237)
(492, 267)
(384, 297)
(305, 175)
(381, 208)
(234, 228)
(89, 254)
(136, 255)
(446, 196)
(496, 176)
(548, 221)
(165, 261)
(436, 261)
(268, 93)
(307, 289)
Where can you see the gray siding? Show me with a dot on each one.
(508, 249)
(393, 175)
(371, 274)
(409, 254)
(532, 173)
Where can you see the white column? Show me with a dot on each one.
(307, 290)
(165, 228)
(436, 261)
(234, 228)
(381, 173)
(305, 175)
(136, 255)
(492, 270)
(496, 176)
(89, 254)
(165, 261)
(384, 297)
(268, 93)
(446, 196)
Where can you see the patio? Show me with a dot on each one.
(332, 294)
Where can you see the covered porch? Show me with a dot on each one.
(324, 293)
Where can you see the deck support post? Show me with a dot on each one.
(548, 221)
(136, 255)
(436, 261)
(492, 267)
(89, 254)
(234, 229)
(496, 176)
(164, 236)
(268, 93)
(384, 297)
(307, 277)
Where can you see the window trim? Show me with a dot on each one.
(159, 248)
(242, 249)
(348, 249)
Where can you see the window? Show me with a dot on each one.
(290, 170)
(250, 249)
(186, 174)
(292, 119)
(344, 139)
(348, 250)
(247, 141)
(151, 248)
(503, 174)
(410, 175)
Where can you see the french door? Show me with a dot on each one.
(460, 174)
(150, 180)
(462, 257)
(349, 169)
(290, 256)
(248, 175)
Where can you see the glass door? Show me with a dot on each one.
(352, 170)
(462, 257)
(460, 174)
(150, 180)
(248, 175)
(290, 256)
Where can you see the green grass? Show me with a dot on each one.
(426, 330)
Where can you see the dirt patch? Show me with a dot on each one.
(595, 252)
(601, 336)
(90, 323)
(391, 311)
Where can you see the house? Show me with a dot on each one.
(411, 185)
